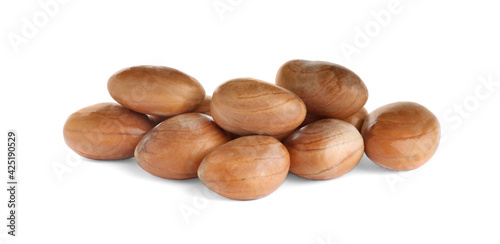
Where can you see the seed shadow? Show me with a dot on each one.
(294, 179)
(131, 167)
(365, 165)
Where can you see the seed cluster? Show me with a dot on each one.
(242, 141)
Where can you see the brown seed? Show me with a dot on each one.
(205, 106)
(175, 148)
(401, 136)
(310, 118)
(328, 90)
(248, 106)
(105, 131)
(246, 168)
(158, 119)
(324, 149)
(156, 90)
(357, 119)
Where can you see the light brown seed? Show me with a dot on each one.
(156, 90)
(328, 90)
(248, 106)
(246, 168)
(357, 119)
(105, 131)
(401, 135)
(175, 148)
(205, 106)
(324, 149)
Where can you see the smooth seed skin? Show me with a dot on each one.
(328, 90)
(247, 106)
(205, 106)
(246, 168)
(175, 148)
(158, 119)
(324, 149)
(401, 136)
(309, 119)
(156, 90)
(357, 119)
(105, 131)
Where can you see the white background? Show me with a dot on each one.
(432, 52)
